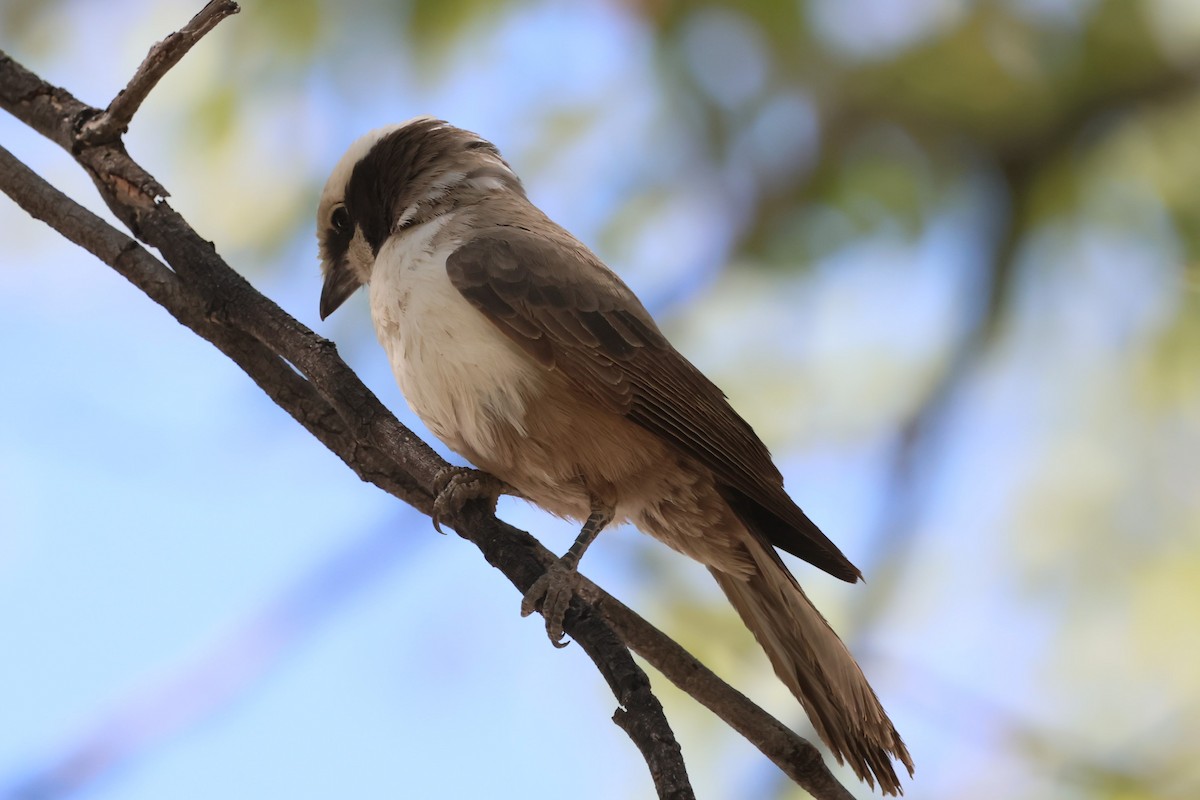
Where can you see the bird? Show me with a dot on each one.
(524, 353)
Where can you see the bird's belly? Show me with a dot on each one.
(464, 381)
(487, 401)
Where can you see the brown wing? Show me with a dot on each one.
(555, 299)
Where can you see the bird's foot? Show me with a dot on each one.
(457, 486)
(553, 592)
(557, 585)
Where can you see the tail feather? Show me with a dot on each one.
(816, 666)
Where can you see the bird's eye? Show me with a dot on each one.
(340, 219)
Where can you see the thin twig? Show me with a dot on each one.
(115, 119)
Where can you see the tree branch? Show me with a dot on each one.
(162, 56)
(304, 375)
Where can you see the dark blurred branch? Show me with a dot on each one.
(1020, 162)
(1033, 149)
(304, 375)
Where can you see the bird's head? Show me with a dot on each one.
(394, 179)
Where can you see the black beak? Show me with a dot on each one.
(340, 283)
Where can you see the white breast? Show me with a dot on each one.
(461, 376)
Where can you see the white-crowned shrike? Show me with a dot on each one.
(525, 354)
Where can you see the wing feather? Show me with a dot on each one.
(556, 300)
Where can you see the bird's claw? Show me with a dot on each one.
(553, 592)
(454, 487)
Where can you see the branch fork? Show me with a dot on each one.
(109, 124)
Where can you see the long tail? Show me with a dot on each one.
(812, 661)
